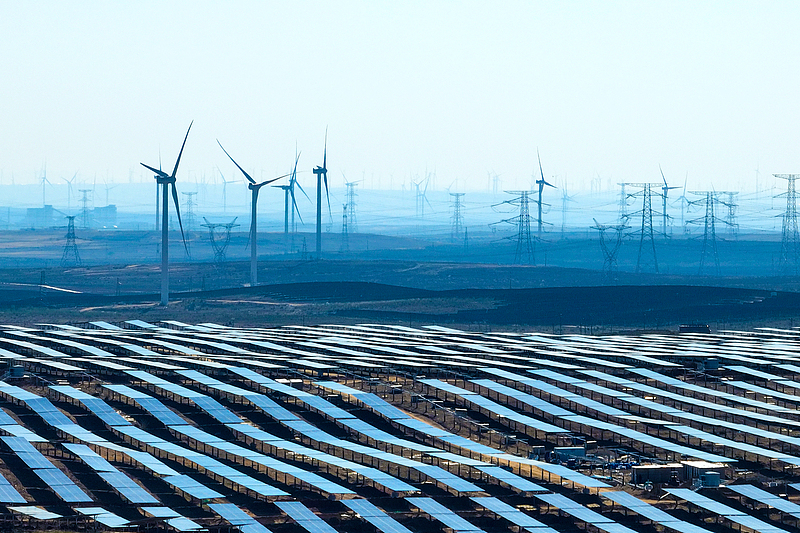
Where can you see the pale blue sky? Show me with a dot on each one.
(608, 88)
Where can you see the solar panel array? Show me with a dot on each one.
(318, 428)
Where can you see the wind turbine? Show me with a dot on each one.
(541, 183)
(288, 190)
(167, 182)
(225, 190)
(69, 191)
(322, 174)
(44, 182)
(254, 188)
(108, 188)
(665, 189)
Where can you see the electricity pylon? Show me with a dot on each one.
(610, 247)
(457, 218)
(85, 208)
(623, 204)
(709, 222)
(220, 243)
(71, 256)
(733, 226)
(790, 240)
(352, 223)
(524, 249)
(646, 260)
(345, 246)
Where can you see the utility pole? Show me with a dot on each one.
(457, 218)
(790, 239)
(71, 256)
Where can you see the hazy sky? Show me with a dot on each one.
(601, 88)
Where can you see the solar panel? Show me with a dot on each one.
(128, 488)
(510, 513)
(304, 517)
(40, 513)
(375, 516)
(443, 514)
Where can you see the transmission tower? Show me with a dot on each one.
(623, 204)
(220, 242)
(85, 208)
(351, 206)
(709, 222)
(304, 251)
(565, 198)
(646, 260)
(524, 249)
(733, 226)
(610, 247)
(466, 239)
(188, 208)
(457, 218)
(345, 246)
(71, 256)
(790, 240)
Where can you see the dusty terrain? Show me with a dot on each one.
(395, 279)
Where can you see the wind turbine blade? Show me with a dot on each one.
(549, 185)
(178, 212)
(294, 206)
(327, 193)
(540, 164)
(273, 179)
(294, 172)
(325, 152)
(178, 162)
(246, 175)
(155, 170)
(662, 175)
(301, 190)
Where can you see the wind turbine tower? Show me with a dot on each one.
(322, 176)
(254, 189)
(167, 183)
